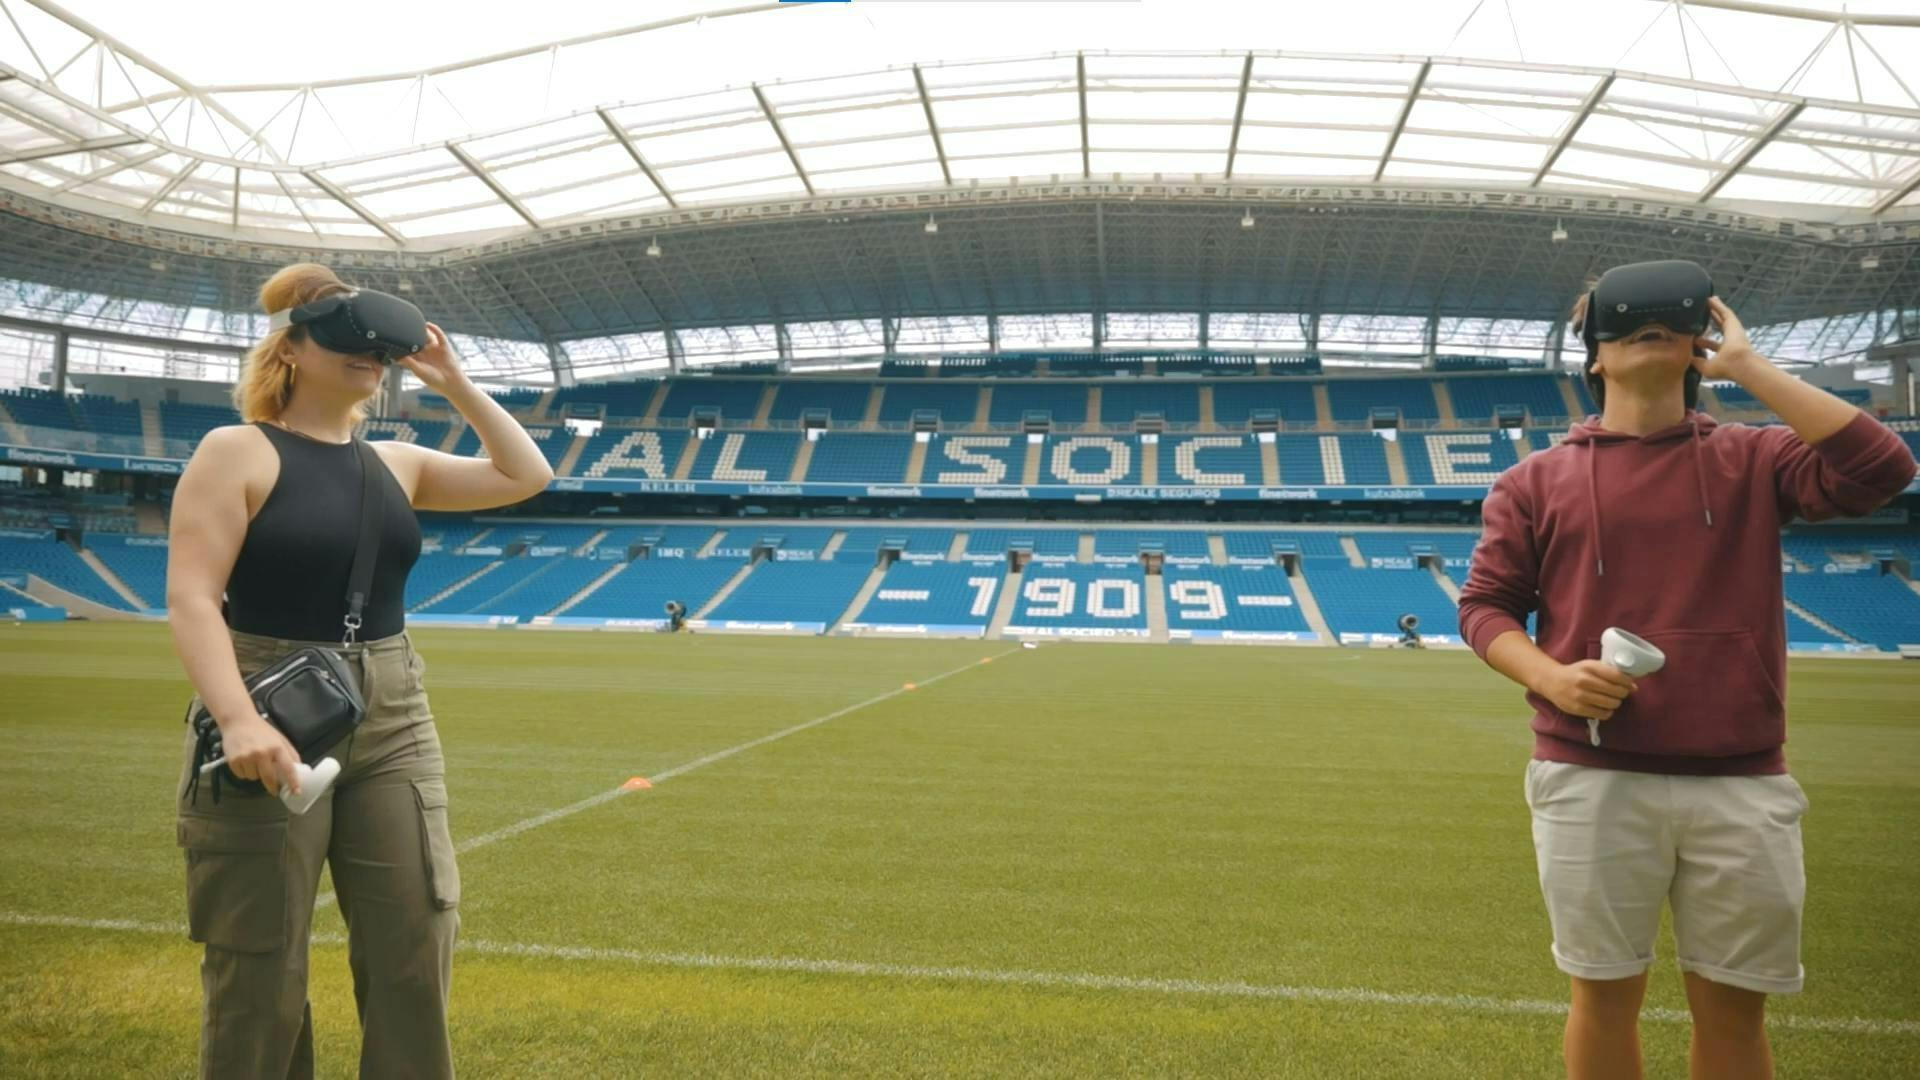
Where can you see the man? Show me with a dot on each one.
(1656, 520)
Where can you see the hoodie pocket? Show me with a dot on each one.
(1713, 698)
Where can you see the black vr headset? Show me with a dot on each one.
(1671, 292)
(360, 323)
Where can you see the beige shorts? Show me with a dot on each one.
(1725, 851)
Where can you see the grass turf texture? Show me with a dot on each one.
(1279, 817)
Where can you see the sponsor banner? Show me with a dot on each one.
(1247, 635)
(942, 630)
(462, 620)
(26, 534)
(549, 549)
(1830, 646)
(748, 624)
(1394, 639)
(37, 614)
(1079, 631)
(146, 541)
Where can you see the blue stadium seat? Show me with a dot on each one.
(758, 456)
(1456, 548)
(540, 593)
(190, 423)
(475, 597)
(919, 544)
(1475, 397)
(845, 402)
(1802, 632)
(628, 453)
(427, 433)
(106, 415)
(1244, 546)
(1355, 399)
(58, 565)
(437, 571)
(797, 592)
(1209, 460)
(1070, 600)
(1067, 402)
(1879, 609)
(643, 587)
(552, 439)
(975, 459)
(860, 458)
(1090, 460)
(1372, 601)
(1456, 457)
(41, 408)
(1230, 599)
(1364, 458)
(1302, 459)
(1125, 545)
(944, 596)
(955, 402)
(139, 562)
(1178, 402)
(1044, 542)
(737, 399)
(1235, 400)
(626, 398)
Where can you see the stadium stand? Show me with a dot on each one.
(190, 423)
(1235, 401)
(1204, 601)
(1355, 399)
(1303, 459)
(437, 571)
(1090, 460)
(845, 402)
(1208, 460)
(941, 597)
(807, 594)
(1476, 397)
(1080, 601)
(552, 439)
(1395, 550)
(477, 596)
(642, 588)
(860, 458)
(627, 398)
(1870, 607)
(1468, 457)
(58, 565)
(1066, 402)
(1045, 543)
(1363, 460)
(918, 544)
(975, 459)
(1126, 545)
(1370, 602)
(1802, 632)
(632, 454)
(737, 399)
(755, 456)
(427, 433)
(1258, 547)
(1177, 402)
(955, 402)
(139, 562)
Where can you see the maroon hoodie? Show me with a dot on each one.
(1674, 536)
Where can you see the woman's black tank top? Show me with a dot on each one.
(290, 580)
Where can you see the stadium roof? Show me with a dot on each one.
(782, 175)
(1808, 118)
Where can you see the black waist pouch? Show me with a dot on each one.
(309, 695)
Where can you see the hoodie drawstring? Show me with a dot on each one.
(1593, 505)
(1700, 474)
(1593, 493)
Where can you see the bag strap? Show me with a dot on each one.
(372, 516)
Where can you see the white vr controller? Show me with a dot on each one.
(1632, 655)
(314, 782)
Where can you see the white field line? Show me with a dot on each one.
(549, 817)
(1043, 980)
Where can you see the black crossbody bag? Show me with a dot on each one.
(309, 695)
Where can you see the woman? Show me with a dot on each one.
(267, 513)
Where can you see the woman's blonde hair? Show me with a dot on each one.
(266, 377)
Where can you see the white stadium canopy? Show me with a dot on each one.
(422, 127)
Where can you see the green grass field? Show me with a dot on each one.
(1072, 861)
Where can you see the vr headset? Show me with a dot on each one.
(1671, 292)
(360, 323)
